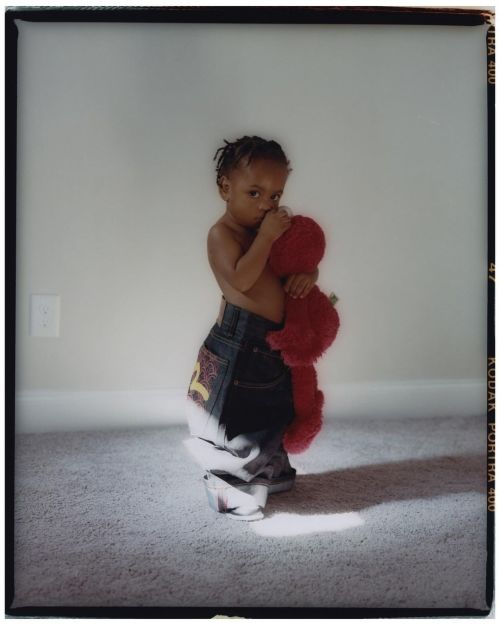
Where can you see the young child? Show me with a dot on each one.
(240, 396)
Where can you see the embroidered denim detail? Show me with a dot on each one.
(208, 375)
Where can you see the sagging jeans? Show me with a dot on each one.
(240, 398)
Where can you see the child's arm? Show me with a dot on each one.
(299, 284)
(226, 255)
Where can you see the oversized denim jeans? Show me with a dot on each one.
(240, 399)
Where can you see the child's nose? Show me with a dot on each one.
(267, 206)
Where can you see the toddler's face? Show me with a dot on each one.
(252, 190)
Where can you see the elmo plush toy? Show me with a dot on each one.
(311, 325)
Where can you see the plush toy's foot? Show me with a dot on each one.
(295, 444)
(304, 428)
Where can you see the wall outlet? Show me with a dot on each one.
(44, 315)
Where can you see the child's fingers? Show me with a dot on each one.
(307, 290)
(301, 292)
(303, 288)
(299, 286)
(295, 284)
(288, 283)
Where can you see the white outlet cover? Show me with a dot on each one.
(44, 314)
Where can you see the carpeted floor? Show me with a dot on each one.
(385, 513)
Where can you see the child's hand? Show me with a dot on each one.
(299, 284)
(275, 223)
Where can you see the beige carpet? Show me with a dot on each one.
(385, 514)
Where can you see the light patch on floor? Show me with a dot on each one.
(287, 524)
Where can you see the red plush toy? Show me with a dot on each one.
(311, 325)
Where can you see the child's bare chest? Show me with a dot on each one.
(267, 279)
(245, 240)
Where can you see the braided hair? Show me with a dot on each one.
(250, 148)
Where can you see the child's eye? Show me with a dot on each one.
(275, 198)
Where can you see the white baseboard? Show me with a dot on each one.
(53, 411)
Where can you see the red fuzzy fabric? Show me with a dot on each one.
(308, 403)
(299, 249)
(311, 325)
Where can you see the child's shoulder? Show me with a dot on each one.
(222, 234)
(217, 227)
(219, 233)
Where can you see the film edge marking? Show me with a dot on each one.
(491, 433)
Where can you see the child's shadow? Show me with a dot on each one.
(355, 488)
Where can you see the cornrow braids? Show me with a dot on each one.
(250, 148)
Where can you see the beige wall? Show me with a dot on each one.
(118, 125)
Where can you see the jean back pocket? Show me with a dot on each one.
(207, 379)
